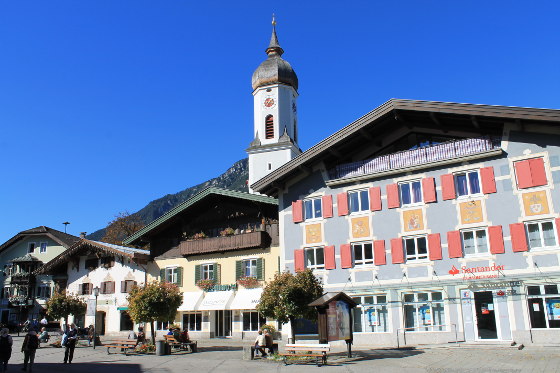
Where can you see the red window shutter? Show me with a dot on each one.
(299, 260)
(434, 246)
(523, 174)
(447, 187)
(393, 196)
(454, 246)
(397, 252)
(330, 262)
(345, 256)
(496, 239)
(429, 189)
(518, 237)
(488, 181)
(557, 222)
(538, 173)
(379, 253)
(342, 202)
(327, 206)
(297, 211)
(375, 198)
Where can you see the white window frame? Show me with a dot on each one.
(469, 191)
(312, 201)
(363, 206)
(379, 305)
(417, 304)
(477, 250)
(29, 251)
(41, 250)
(362, 262)
(171, 274)
(252, 326)
(416, 257)
(315, 250)
(539, 223)
(412, 203)
(207, 271)
(250, 263)
(194, 315)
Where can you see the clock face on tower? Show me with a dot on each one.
(269, 102)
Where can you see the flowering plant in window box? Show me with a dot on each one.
(248, 282)
(206, 285)
(199, 236)
(227, 232)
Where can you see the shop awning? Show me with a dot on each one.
(216, 300)
(191, 300)
(246, 299)
(124, 308)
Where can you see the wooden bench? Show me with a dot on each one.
(124, 345)
(191, 346)
(318, 351)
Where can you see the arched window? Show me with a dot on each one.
(269, 127)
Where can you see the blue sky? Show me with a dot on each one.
(107, 105)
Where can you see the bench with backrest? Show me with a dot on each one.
(123, 345)
(318, 351)
(191, 346)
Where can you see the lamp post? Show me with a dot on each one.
(95, 294)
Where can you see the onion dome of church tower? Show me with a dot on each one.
(274, 69)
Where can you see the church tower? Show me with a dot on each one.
(275, 95)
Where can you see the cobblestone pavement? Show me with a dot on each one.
(213, 358)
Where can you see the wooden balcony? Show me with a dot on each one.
(22, 279)
(253, 240)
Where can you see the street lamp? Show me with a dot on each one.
(95, 294)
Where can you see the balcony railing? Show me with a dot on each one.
(22, 278)
(415, 157)
(259, 239)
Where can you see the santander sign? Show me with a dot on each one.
(476, 273)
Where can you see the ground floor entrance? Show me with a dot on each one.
(485, 315)
(223, 325)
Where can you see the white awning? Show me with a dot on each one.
(191, 300)
(216, 300)
(246, 299)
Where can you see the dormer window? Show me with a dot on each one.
(269, 126)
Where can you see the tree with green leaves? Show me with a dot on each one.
(287, 296)
(63, 304)
(157, 301)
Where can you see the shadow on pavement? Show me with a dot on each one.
(89, 367)
(374, 354)
(220, 348)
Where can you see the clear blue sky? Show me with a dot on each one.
(107, 105)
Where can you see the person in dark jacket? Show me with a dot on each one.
(72, 335)
(29, 347)
(6, 343)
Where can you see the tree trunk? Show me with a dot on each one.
(153, 333)
(293, 329)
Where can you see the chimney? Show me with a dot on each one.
(83, 235)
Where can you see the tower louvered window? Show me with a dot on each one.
(269, 126)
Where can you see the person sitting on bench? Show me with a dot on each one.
(260, 343)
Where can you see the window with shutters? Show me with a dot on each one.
(358, 200)
(416, 248)
(371, 314)
(127, 285)
(467, 183)
(314, 258)
(207, 271)
(107, 287)
(424, 311)
(544, 303)
(475, 241)
(249, 267)
(363, 253)
(85, 289)
(410, 192)
(541, 234)
(530, 173)
(269, 127)
(171, 274)
(312, 208)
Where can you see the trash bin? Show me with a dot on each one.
(161, 348)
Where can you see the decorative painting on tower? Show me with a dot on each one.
(535, 203)
(313, 234)
(413, 220)
(471, 212)
(360, 227)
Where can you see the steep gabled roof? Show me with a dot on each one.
(191, 201)
(92, 246)
(63, 239)
(396, 109)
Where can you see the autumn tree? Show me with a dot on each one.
(287, 296)
(63, 304)
(121, 227)
(157, 301)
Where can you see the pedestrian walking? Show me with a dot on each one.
(6, 343)
(29, 347)
(91, 334)
(71, 337)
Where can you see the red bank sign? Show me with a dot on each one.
(476, 273)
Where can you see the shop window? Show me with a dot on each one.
(252, 321)
(358, 200)
(544, 306)
(163, 325)
(371, 315)
(31, 247)
(475, 242)
(416, 248)
(193, 321)
(363, 253)
(126, 322)
(467, 183)
(43, 247)
(314, 258)
(541, 234)
(312, 208)
(410, 192)
(424, 312)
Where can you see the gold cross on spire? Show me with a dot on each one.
(273, 20)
